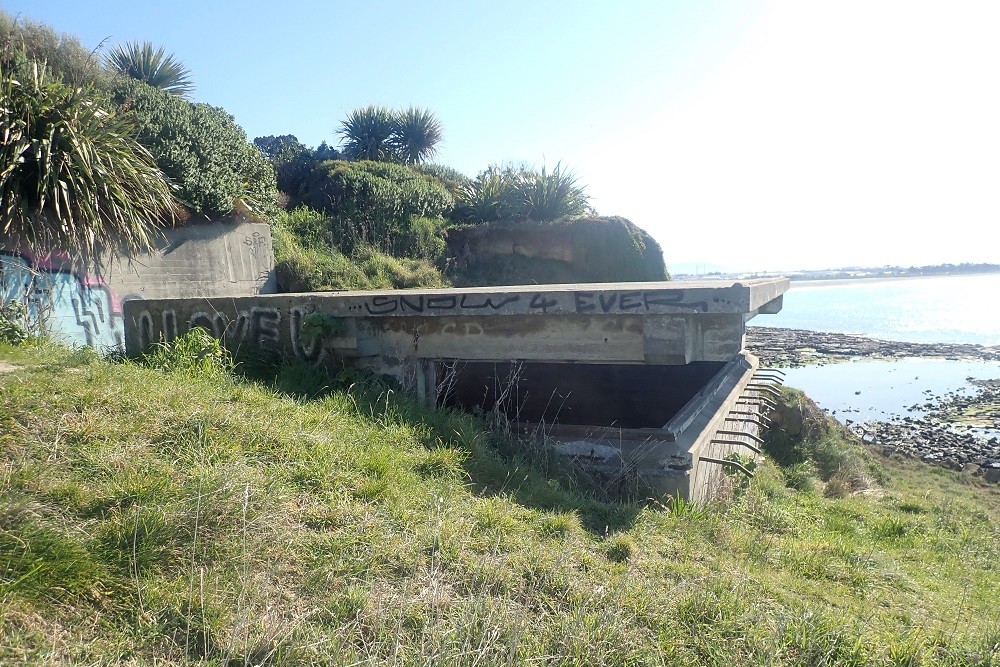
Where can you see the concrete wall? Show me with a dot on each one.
(83, 304)
(653, 323)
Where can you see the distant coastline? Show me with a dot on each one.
(855, 273)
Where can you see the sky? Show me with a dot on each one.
(755, 135)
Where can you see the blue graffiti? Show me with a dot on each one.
(61, 304)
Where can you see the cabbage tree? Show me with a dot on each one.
(385, 135)
(415, 136)
(152, 66)
(367, 133)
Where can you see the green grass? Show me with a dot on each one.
(308, 267)
(188, 517)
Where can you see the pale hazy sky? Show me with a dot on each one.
(756, 134)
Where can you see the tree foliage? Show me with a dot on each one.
(415, 135)
(71, 174)
(388, 206)
(367, 133)
(201, 148)
(292, 161)
(385, 135)
(23, 41)
(152, 66)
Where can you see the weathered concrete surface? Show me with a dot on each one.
(83, 304)
(665, 323)
(685, 457)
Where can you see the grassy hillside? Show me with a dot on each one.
(175, 517)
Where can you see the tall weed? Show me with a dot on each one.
(196, 351)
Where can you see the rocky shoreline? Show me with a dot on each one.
(796, 347)
(957, 430)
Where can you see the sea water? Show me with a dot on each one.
(939, 309)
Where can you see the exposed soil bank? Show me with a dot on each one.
(957, 430)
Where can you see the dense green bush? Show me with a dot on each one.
(201, 148)
(14, 325)
(452, 179)
(387, 206)
(293, 160)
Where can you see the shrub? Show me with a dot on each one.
(62, 53)
(377, 204)
(293, 161)
(201, 148)
(14, 327)
(71, 175)
(519, 193)
(452, 179)
(807, 444)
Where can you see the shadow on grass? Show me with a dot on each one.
(495, 461)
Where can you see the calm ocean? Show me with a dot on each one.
(945, 309)
(940, 309)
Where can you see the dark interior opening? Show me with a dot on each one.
(621, 395)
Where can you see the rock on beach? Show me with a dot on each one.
(956, 431)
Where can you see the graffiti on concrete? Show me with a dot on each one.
(608, 302)
(257, 243)
(641, 300)
(257, 326)
(70, 307)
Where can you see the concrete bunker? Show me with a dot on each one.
(640, 380)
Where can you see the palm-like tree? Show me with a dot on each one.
(381, 134)
(367, 134)
(415, 136)
(72, 176)
(154, 66)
